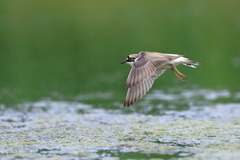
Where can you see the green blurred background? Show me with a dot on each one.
(63, 49)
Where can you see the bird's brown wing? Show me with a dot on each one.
(144, 67)
(137, 91)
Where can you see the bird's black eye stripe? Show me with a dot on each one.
(131, 59)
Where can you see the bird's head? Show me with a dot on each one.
(130, 59)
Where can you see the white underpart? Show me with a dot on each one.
(130, 63)
(184, 61)
(180, 60)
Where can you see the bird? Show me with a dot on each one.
(148, 66)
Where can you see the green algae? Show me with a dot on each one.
(57, 135)
(83, 135)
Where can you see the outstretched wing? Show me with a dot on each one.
(138, 90)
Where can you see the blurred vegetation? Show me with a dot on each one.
(75, 47)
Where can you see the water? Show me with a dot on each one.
(71, 129)
(61, 63)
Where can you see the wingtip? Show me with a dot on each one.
(127, 104)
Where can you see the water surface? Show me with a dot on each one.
(61, 78)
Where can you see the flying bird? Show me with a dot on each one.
(146, 67)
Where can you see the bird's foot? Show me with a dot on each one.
(182, 75)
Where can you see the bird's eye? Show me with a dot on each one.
(131, 59)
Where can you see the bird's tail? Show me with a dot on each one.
(191, 64)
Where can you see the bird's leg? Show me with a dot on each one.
(182, 75)
(178, 74)
(180, 78)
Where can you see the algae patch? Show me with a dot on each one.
(69, 135)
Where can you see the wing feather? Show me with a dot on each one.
(144, 66)
(137, 91)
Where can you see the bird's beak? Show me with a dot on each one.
(123, 62)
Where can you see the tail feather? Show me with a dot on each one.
(192, 64)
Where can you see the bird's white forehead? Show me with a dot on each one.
(131, 57)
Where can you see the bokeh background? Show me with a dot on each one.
(71, 50)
